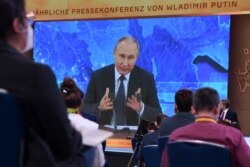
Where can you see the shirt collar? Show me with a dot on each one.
(205, 119)
(117, 75)
(225, 110)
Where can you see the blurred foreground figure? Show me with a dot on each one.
(49, 138)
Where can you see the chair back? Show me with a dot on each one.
(151, 156)
(197, 153)
(89, 155)
(11, 131)
(162, 141)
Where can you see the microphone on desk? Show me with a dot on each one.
(112, 99)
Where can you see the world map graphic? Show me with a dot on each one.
(181, 52)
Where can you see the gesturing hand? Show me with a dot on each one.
(134, 103)
(106, 103)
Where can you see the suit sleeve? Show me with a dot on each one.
(90, 100)
(151, 103)
(51, 113)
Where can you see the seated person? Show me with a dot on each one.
(151, 137)
(151, 127)
(183, 115)
(205, 107)
(73, 97)
(227, 116)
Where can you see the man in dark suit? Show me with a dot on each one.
(227, 115)
(36, 89)
(120, 79)
(183, 116)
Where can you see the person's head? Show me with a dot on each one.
(206, 100)
(152, 127)
(14, 27)
(72, 95)
(159, 119)
(224, 104)
(142, 127)
(125, 54)
(183, 100)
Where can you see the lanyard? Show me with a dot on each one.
(205, 119)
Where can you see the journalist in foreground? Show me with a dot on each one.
(49, 139)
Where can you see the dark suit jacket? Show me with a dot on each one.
(178, 120)
(230, 115)
(139, 78)
(44, 109)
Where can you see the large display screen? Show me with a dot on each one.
(182, 52)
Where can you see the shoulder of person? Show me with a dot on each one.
(182, 130)
(104, 70)
(230, 130)
(31, 68)
(42, 69)
(149, 135)
(143, 73)
(170, 121)
(232, 110)
(166, 120)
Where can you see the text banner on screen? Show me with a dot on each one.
(99, 9)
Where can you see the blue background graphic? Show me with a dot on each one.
(183, 52)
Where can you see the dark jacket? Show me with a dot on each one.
(44, 109)
(178, 120)
(139, 78)
(230, 115)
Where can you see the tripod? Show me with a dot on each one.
(133, 160)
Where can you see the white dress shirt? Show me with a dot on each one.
(224, 113)
(125, 82)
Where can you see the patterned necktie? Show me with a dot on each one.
(120, 103)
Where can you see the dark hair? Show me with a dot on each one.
(205, 99)
(9, 10)
(72, 95)
(226, 102)
(160, 117)
(127, 38)
(183, 100)
(152, 126)
(142, 127)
